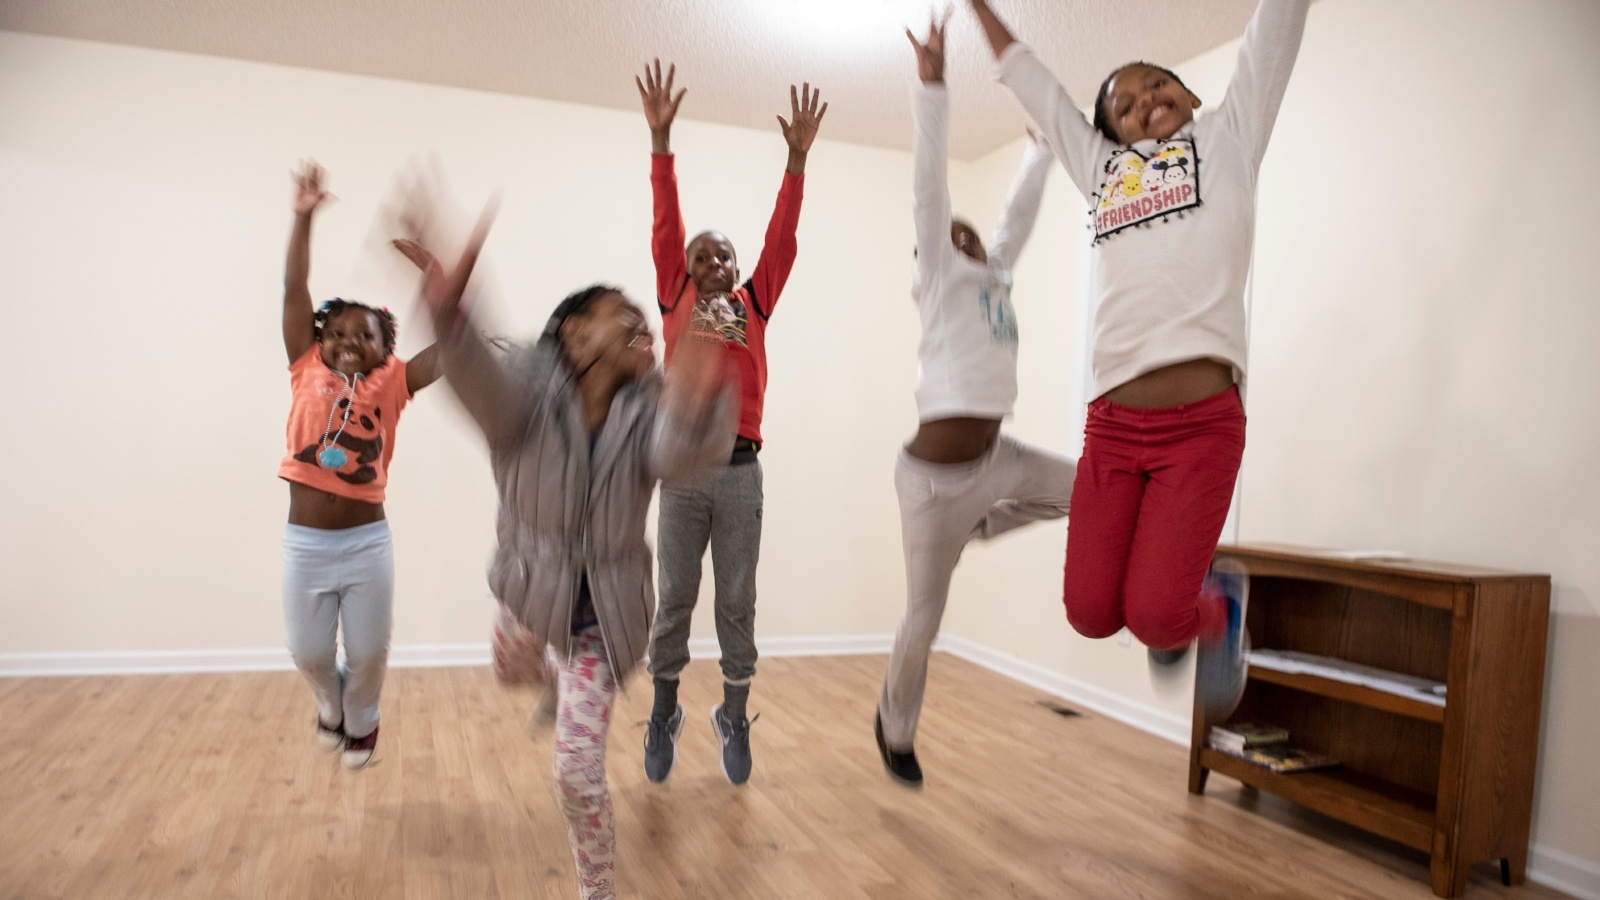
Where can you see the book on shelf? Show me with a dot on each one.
(1284, 759)
(1294, 662)
(1241, 735)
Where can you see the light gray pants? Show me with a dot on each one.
(724, 511)
(334, 574)
(942, 507)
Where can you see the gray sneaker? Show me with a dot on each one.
(661, 745)
(1222, 665)
(735, 740)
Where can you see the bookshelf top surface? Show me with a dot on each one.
(1386, 565)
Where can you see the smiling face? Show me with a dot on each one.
(352, 341)
(712, 263)
(610, 337)
(1143, 102)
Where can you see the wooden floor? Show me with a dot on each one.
(211, 786)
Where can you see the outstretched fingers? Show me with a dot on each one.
(418, 254)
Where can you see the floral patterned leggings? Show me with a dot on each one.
(587, 690)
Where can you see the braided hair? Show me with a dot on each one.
(576, 303)
(386, 321)
(1102, 118)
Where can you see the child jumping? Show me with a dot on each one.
(1172, 218)
(580, 426)
(698, 289)
(349, 389)
(959, 478)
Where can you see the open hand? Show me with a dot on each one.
(804, 118)
(655, 93)
(308, 191)
(442, 290)
(930, 53)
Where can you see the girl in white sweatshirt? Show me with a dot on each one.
(959, 478)
(1171, 220)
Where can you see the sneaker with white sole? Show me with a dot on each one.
(358, 751)
(1222, 666)
(661, 745)
(734, 738)
(330, 739)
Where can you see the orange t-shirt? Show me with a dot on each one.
(368, 439)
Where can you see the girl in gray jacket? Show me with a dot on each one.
(581, 425)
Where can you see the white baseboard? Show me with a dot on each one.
(1564, 872)
(144, 662)
(1158, 722)
(259, 659)
(272, 659)
(1548, 866)
(840, 645)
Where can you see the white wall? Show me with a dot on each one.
(1423, 366)
(144, 213)
(1424, 374)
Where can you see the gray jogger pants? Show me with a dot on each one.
(942, 507)
(331, 575)
(724, 511)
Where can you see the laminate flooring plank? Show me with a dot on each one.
(211, 786)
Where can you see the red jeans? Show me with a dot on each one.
(1148, 505)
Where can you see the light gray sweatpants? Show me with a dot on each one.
(942, 507)
(724, 511)
(334, 574)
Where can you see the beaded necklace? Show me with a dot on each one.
(332, 456)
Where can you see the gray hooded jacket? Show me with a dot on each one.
(564, 511)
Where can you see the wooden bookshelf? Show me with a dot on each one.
(1455, 781)
(1354, 693)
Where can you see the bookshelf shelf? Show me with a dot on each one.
(1353, 693)
(1397, 813)
(1454, 781)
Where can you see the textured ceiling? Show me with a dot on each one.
(737, 57)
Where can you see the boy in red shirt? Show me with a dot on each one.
(699, 290)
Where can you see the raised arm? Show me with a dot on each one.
(1071, 137)
(801, 129)
(298, 330)
(994, 30)
(476, 376)
(698, 415)
(780, 246)
(1022, 203)
(1266, 58)
(667, 234)
(930, 151)
(423, 369)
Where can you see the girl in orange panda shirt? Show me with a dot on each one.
(348, 388)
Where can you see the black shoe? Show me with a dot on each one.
(735, 740)
(661, 745)
(903, 767)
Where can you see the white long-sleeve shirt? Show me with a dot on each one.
(1172, 221)
(967, 361)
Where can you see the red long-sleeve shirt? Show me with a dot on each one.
(676, 292)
